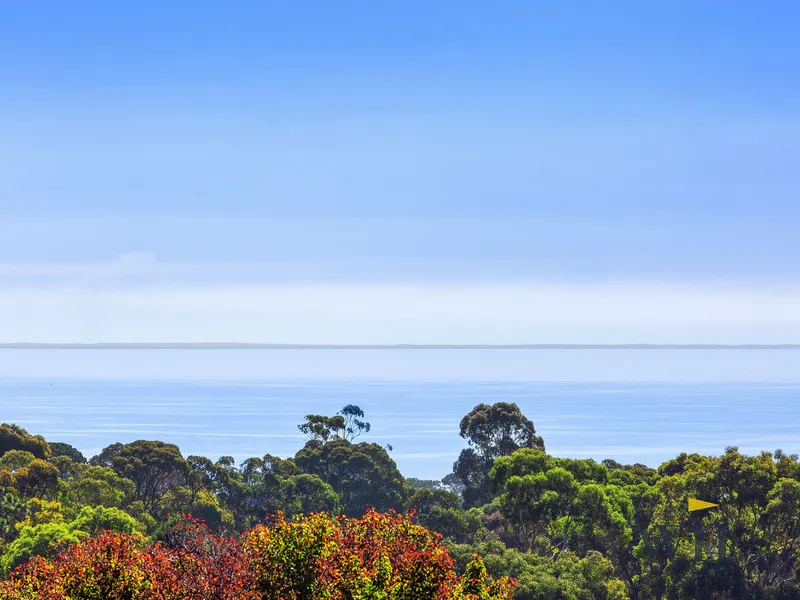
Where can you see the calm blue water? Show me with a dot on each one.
(628, 421)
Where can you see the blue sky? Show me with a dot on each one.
(198, 155)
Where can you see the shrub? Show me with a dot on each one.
(378, 557)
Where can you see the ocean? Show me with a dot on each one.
(749, 399)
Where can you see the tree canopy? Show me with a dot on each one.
(562, 528)
(347, 424)
(491, 431)
(13, 437)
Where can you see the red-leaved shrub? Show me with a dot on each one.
(377, 557)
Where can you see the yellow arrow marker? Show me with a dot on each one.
(695, 504)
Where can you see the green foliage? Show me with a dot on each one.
(16, 459)
(62, 449)
(98, 486)
(38, 540)
(498, 430)
(424, 500)
(106, 456)
(564, 528)
(347, 425)
(491, 431)
(363, 475)
(759, 509)
(569, 576)
(319, 427)
(93, 519)
(354, 425)
(306, 494)
(12, 510)
(37, 478)
(45, 530)
(154, 467)
(424, 484)
(378, 557)
(13, 437)
(453, 482)
(271, 484)
(440, 510)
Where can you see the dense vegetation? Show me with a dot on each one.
(338, 520)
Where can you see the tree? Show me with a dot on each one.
(262, 478)
(154, 467)
(93, 519)
(99, 486)
(440, 511)
(38, 540)
(317, 427)
(209, 565)
(204, 475)
(16, 459)
(453, 482)
(567, 529)
(424, 500)
(473, 470)
(12, 510)
(498, 430)
(491, 431)
(13, 437)
(760, 510)
(274, 484)
(38, 478)
(347, 424)
(363, 475)
(424, 484)
(106, 456)
(45, 530)
(532, 500)
(111, 567)
(62, 449)
(568, 576)
(306, 494)
(354, 426)
(556, 504)
(377, 557)
(40, 512)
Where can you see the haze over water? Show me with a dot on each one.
(634, 406)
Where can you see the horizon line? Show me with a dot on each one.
(265, 346)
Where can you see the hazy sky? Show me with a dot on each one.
(400, 172)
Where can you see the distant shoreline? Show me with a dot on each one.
(247, 346)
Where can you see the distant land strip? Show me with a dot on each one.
(247, 346)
